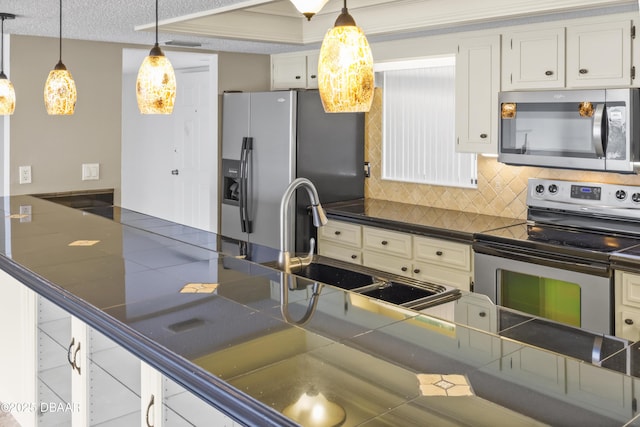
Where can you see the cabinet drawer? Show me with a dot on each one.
(388, 263)
(342, 233)
(442, 276)
(443, 253)
(388, 242)
(343, 253)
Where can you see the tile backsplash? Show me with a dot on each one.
(501, 188)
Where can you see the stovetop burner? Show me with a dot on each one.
(565, 218)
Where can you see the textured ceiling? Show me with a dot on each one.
(117, 20)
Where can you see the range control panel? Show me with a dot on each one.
(581, 196)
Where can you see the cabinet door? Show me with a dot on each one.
(533, 59)
(312, 71)
(55, 371)
(599, 55)
(477, 87)
(288, 72)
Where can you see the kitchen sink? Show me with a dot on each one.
(388, 287)
(397, 293)
(336, 276)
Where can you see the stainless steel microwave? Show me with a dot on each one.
(595, 129)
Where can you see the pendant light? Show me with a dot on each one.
(310, 7)
(7, 93)
(345, 67)
(60, 93)
(156, 84)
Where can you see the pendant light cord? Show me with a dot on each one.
(157, 22)
(60, 38)
(2, 48)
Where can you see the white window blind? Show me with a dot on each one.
(419, 125)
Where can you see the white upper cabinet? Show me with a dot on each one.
(477, 87)
(294, 71)
(599, 55)
(533, 59)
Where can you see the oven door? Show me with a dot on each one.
(562, 294)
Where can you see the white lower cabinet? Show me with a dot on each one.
(65, 373)
(166, 403)
(627, 305)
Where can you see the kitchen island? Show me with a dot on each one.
(214, 325)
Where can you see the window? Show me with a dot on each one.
(418, 135)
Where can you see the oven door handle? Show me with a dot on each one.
(509, 252)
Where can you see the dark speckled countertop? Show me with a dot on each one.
(378, 361)
(436, 222)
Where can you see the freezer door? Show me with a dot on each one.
(273, 155)
(235, 127)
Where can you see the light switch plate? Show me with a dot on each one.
(90, 171)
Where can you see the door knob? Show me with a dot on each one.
(175, 172)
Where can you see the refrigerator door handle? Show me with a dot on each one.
(245, 220)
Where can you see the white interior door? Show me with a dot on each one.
(170, 163)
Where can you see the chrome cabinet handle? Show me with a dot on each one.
(71, 362)
(149, 406)
(628, 321)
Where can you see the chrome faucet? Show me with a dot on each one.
(286, 262)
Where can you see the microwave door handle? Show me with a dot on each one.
(598, 132)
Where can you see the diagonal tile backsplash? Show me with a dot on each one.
(501, 188)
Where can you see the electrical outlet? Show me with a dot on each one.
(90, 171)
(25, 174)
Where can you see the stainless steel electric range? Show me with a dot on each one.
(556, 265)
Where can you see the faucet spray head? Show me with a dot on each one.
(319, 217)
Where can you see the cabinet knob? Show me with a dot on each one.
(416, 271)
(298, 77)
(404, 269)
(548, 73)
(384, 243)
(439, 253)
(583, 71)
(482, 314)
(313, 76)
(628, 321)
(354, 256)
(337, 233)
(483, 135)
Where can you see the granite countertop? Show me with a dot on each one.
(231, 345)
(450, 224)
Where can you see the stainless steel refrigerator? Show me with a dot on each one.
(268, 140)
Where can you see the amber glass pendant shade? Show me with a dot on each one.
(7, 92)
(156, 84)
(7, 96)
(345, 68)
(309, 7)
(60, 94)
